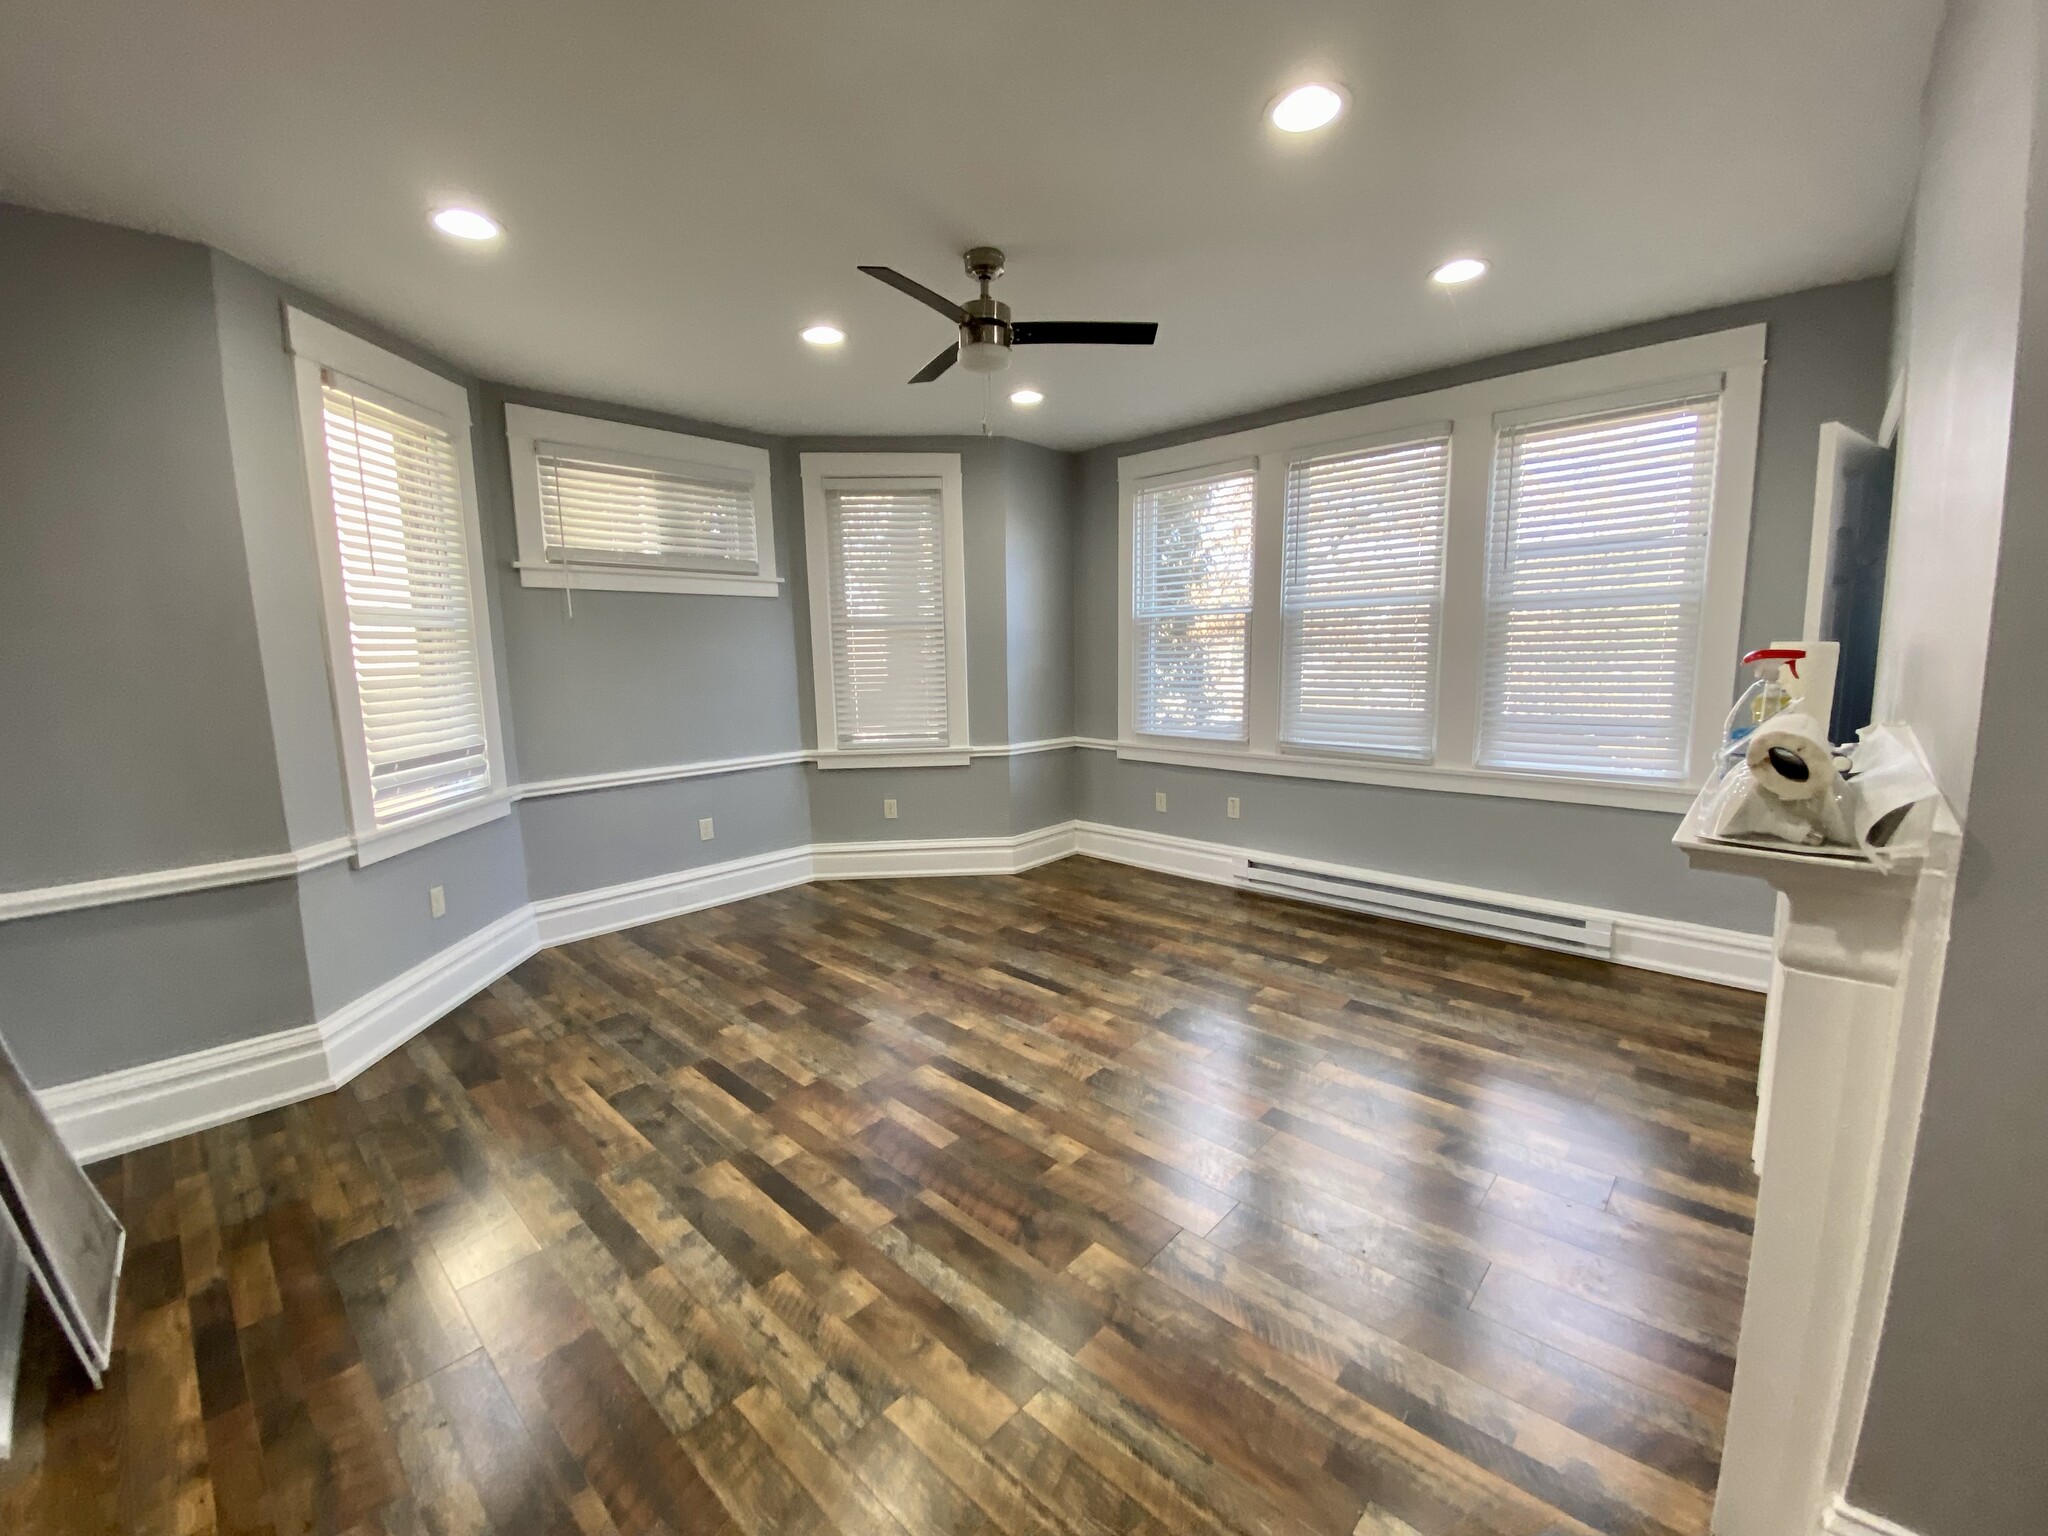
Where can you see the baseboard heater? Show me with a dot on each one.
(1434, 906)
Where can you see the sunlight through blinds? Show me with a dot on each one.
(888, 615)
(1191, 600)
(1596, 572)
(405, 579)
(1363, 578)
(622, 509)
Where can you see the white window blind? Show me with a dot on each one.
(612, 508)
(1191, 602)
(1595, 582)
(1363, 578)
(405, 582)
(888, 617)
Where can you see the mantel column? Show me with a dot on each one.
(1836, 996)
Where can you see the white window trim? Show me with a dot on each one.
(526, 426)
(818, 468)
(316, 345)
(1737, 356)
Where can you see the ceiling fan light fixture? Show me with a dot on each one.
(984, 356)
(1026, 396)
(467, 224)
(1308, 107)
(1457, 271)
(986, 330)
(823, 335)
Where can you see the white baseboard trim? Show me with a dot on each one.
(1723, 955)
(942, 856)
(563, 919)
(1727, 955)
(139, 1106)
(1841, 1518)
(365, 1031)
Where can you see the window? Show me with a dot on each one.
(1191, 603)
(887, 578)
(1360, 593)
(1595, 575)
(1527, 586)
(607, 505)
(388, 462)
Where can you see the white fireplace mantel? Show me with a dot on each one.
(1849, 937)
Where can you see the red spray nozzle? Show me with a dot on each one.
(1791, 658)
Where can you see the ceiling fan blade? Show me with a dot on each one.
(1027, 333)
(919, 292)
(937, 365)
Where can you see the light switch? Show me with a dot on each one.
(1159, 800)
(1230, 808)
(888, 810)
(437, 901)
(704, 829)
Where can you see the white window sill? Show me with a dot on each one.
(917, 757)
(1295, 764)
(585, 578)
(388, 842)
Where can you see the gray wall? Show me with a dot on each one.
(362, 927)
(1958, 324)
(611, 836)
(358, 927)
(1599, 855)
(619, 680)
(1827, 353)
(972, 801)
(1015, 515)
(1953, 1437)
(1038, 568)
(136, 734)
(277, 540)
(103, 988)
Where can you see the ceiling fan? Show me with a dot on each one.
(986, 331)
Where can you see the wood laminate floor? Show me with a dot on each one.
(1085, 1200)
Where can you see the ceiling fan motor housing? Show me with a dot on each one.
(985, 336)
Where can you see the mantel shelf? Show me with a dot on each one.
(1845, 912)
(1786, 866)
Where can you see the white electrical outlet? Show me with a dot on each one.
(888, 810)
(1230, 808)
(437, 901)
(704, 829)
(1159, 800)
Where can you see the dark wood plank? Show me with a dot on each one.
(1083, 1201)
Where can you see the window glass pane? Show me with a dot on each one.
(1596, 573)
(615, 509)
(1363, 580)
(888, 616)
(1191, 606)
(398, 514)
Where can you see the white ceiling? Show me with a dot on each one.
(685, 185)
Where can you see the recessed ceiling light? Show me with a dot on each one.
(1460, 269)
(1025, 396)
(1307, 108)
(467, 224)
(823, 335)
